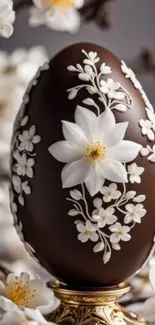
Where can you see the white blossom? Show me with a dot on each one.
(149, 306)
(59, 15)
(28, 139)
(23, 166)
(94, 150)
(110, 88)
(7, 18)
(87, 231)
(105, 69)
(104, 216)
(135, 213)
(119, 233)
(91, 59)
(134, 172)
(147, 129)
(110, 192)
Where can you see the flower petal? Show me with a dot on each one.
(74, 134)
(65, 152)
(149, 310)
(116, 134)
(125, 151)
(114, 171)
(85, 119)
(95, 179)
(75, 173)
(106, 121)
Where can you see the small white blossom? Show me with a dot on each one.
(7, 18)
(59, 15)
(104, 216)
(87, 231)
(91, 59)
(28, 139)
(105, 69)
(110, 192)
(134, 173)
(110, 88)
(135, 213)
(23, 166)
(119, 233)
(147, 129)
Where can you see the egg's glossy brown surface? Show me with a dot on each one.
(47, 227)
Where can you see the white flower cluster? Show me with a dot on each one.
(24, 163)
(25, 301)
(109, 92)
(102, 226)
(60, 15)
(147, 125)
(7, 18)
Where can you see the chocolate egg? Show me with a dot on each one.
(83, 168)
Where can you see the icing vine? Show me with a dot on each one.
(147, 125)
(95, 151)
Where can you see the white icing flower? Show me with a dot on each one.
(23, 166)
(110, 192)
(134, 173)
(147, 129)
(104, 216)
(7, 18)
(135, 213)
(61, 15)
(94, 150)
(28, 139)
(110, 88)
(105, 69)
(91, 59)
(21, 292)
(19, 186)
(87, 231)
(119, 233)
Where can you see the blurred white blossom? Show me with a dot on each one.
(60, 15)
(7, 18)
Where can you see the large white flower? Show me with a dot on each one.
(7, 18)
(134, 173)
(110, 192)
(28, 139)
(23, 166)
(27, 317)
(61, 15)
(119, 233)
(94, 150)
(21, 292)
(87, 231)
(104, 216)
(135, 213)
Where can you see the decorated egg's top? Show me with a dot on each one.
(82, 163)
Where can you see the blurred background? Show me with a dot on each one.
(126, 27)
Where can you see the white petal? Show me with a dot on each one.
(7, 30)
(98, 247)
(74, 134)
(114, 171)
(85, 119)
(65, 152)
(73, 212)
(152, 276)
(106, 257)
(106, 121)
(116, 134)
(76, 195)
(2, 288)
(36, 139)
(125, 151)
(81, 227)
(7, 304)
(95, 179)
(83, 238)
(97, 203)
(75, 173)
(149, 310)
(94, 237)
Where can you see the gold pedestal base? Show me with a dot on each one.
(93, 307)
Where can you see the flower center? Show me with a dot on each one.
(64, 3)
(103, 217)
(95, 151)
(19, 293)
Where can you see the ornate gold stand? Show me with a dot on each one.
(93, 307)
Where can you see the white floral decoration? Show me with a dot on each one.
(109, 92)
(147, 125)
(24, 162)
(95, 152)
(59, 15)
(7, 18)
